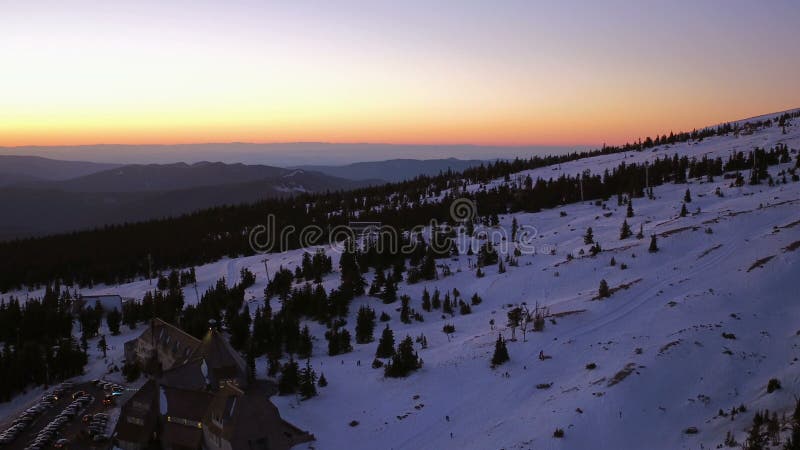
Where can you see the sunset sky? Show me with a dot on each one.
(428, 72)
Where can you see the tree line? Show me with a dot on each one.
(121, 253)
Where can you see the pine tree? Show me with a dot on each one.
(338, 341)
(435, 301)
(487, 255)
(755, 439)
(426, 300)
(307, 382)
(290, 378)
(653, 245)
(405, 309)
(428, 267)
(404, 361)
(365, 324)
(793, 441)
(500, 355)
(352, 281)
(754, 178)
(684, 212)
(239, 326)
(640, 234)
(113, 320)
(377, 283)
(305, 346)
(630, 208)
(385, 344)
(389, 294)
(773, 427)
(625, 231)
(588, 238)
(603, 291)
(322, 380)
(447, 306)
(687, 197)
(501, 268)
(345, 346)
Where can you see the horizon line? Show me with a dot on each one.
(509, 146)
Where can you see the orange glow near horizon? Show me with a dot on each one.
(500, 130)
(153, 73)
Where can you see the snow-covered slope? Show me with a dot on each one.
(662, 364)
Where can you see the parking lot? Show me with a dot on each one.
(73, 418)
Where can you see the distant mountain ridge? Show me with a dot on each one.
(395, 169)
(20, 168)
(287, 154)
(167, 177)
(138, 192)
(44, 196)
